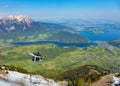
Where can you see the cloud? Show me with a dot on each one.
(3, 6)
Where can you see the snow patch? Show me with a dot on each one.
(117, 81)
(17, 78)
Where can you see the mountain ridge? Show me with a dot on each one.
(22, 28)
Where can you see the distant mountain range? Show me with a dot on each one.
(14, 23)
(23, 28)
(22, 23)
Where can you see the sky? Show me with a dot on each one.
(43, 9)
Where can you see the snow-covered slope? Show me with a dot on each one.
(17, 18)
(5, 83)
(117, 81)
(15, 23)
(14, 78)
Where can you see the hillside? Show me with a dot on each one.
(23, 28)
(115, 43)
(59, 59)
(84, 75)
(15, 78)
(79, 76)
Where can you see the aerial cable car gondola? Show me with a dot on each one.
(36, 57)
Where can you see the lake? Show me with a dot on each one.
(57, 43)
(111, 34)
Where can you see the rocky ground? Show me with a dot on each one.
(104, 81)
(14, 78)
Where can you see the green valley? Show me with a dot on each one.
(60, 59)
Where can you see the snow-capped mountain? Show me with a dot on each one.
(23, 28)
(17, 19)
(22, 23)
(15, 23)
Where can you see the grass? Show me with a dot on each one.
(83, 75)
(59, 59)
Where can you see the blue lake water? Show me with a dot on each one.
(57, 43)
(111, 34)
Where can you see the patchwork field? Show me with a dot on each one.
(60, 59)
